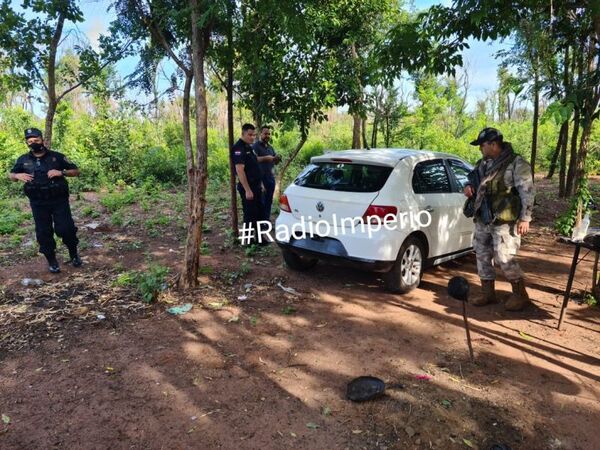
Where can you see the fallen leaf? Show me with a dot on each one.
(5, 419)
(525, 335)
(410, 431)
(215, 305)
(326, 411)
(356, 431)
(468, 443)
(321, 325)
(312, 426)
(293, 434)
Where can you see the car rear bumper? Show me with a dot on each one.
(333, 252)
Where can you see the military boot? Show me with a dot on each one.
(519, 299)
(488, 294)
(75, 258)
(53, 266)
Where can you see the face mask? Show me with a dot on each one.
(37, 148)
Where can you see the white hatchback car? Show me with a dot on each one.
(340, 209)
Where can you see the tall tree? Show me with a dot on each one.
(33, 47)
(180, 30)
(286, 69)
(569, 21)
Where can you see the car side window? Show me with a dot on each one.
(460, 171)
(430, 177)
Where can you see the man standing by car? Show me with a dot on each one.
(248, 173)
(267, 158)
(43, 173)
(502, 187)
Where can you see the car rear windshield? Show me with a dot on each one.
(334, 176)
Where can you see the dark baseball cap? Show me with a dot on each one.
(32, 132)
(488, 135)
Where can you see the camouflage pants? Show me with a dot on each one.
(499, 244)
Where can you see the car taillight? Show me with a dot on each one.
(379, 211)
(284, 204)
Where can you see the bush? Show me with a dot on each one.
(11, 218)
(149, 284)
(116, 200)
(164, 165)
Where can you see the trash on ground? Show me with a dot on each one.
(179, 310)
(423, 377)
(31, 282)
(289, 290)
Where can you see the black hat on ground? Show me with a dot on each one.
(32, 132)
(488, 135)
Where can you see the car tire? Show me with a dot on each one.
(405, 274)
(296, 262)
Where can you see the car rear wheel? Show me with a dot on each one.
(297, 262)
(406, 272)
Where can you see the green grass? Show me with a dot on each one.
(117, 219)
(149, 283)
(114, 201)
(11, 218)
(90, 211)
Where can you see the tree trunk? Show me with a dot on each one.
(230, 128)
(559, 141)
(536, 114)
(356, 131)
(563, 163)
(51, 86)
(386, 131)
(187, 138)
(582, 155)
(374, 132)
(363, 126)
(189, 276)
(50, 113)
(293, 155)
(573, 158)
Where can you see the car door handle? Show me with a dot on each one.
(429, 209)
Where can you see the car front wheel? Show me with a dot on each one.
(296, 262)
(406, 272)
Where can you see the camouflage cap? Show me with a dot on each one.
(488, 135)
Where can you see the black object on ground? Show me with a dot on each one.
(365, 388)
(458, 288)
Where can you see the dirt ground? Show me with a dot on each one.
(84, 364)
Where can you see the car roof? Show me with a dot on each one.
(380, 156)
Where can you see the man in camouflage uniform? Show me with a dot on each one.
(502, 191)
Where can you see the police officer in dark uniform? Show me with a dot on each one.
(43, 173)
(249, 177)
(267, 158)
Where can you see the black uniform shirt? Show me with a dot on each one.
(28, 163)
(39, 167)
(262, 149)
(242, 153)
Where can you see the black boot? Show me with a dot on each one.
(75, 259)
(53, 266)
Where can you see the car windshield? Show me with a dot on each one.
(334, 176)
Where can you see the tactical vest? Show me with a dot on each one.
(505, 201)
(42, 187)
